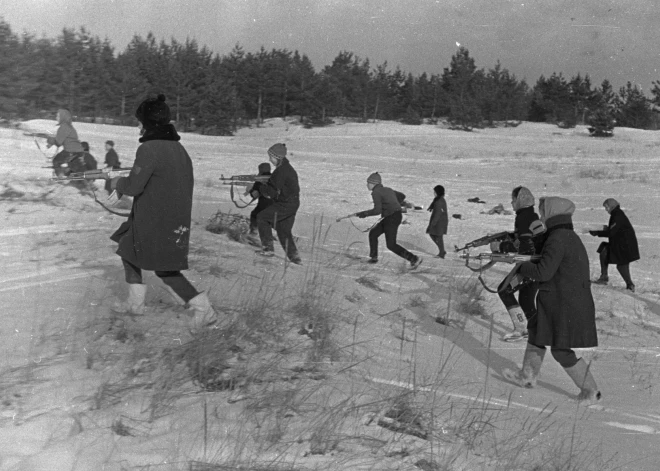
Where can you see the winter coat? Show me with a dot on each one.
(385, 203)
(262, 201)
(523, 243)
(66, 136)
(157, 232)
(565, 305)
(112, 159)
(623, 247)
(90, 161)
(439, 220)
(283, 187)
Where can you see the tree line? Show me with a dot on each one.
(215, 94)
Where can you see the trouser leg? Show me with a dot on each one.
(527, 298)
(604, 255)
(624, 270)
(284, 228)
(391, 227)
(374, 234)
(253, 220)
(440, 243)
(265, 222)
(179, 284)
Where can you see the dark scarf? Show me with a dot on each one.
(561, 221)
(160, 132)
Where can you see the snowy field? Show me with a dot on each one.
(85, 389)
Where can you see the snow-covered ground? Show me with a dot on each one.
(80, 386)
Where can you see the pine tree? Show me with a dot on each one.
(461, 82)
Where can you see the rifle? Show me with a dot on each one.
(243, 180)
(100, 174)
(38, 134)
(500, 257)
(513, 280)
(485, 240)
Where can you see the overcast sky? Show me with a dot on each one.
(616, 40)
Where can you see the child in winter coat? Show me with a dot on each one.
(566, 316)
(387, 206)
(437, 227)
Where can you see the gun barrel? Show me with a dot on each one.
(94, 175)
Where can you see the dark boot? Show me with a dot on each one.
(604, 278)
(624, 270)
(532, 361)
(584, 380)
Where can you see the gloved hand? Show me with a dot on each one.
(593, 233)
(360, 215)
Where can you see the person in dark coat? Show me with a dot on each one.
(387, 206)
(521, 242)
(90, 161)
(439, 221)
(284, 190)
(621, 248)
(262, 202)
(71, 158)
(111, 161)
(566, 315)
(157, 233)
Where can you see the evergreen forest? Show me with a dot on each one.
(213, 94)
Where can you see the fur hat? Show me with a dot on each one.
(110, 143)
(277, 151)
(375, 179)
(153, 111)
(264, 168)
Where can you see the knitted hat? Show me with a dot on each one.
(277, 151)
(264, 168)
(375, 179)
(110, 143)
(153, 111)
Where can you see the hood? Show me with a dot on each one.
(65, 116)
(525, 199)
(555, 206)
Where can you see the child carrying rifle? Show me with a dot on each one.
(522, 309)
(284, 190)
(566, 317)
(255, 190)
(437, 227)
(387, 206)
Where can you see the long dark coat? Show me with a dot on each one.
(439, 220)
(157, 232)
(623, 247)
(566, 314)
